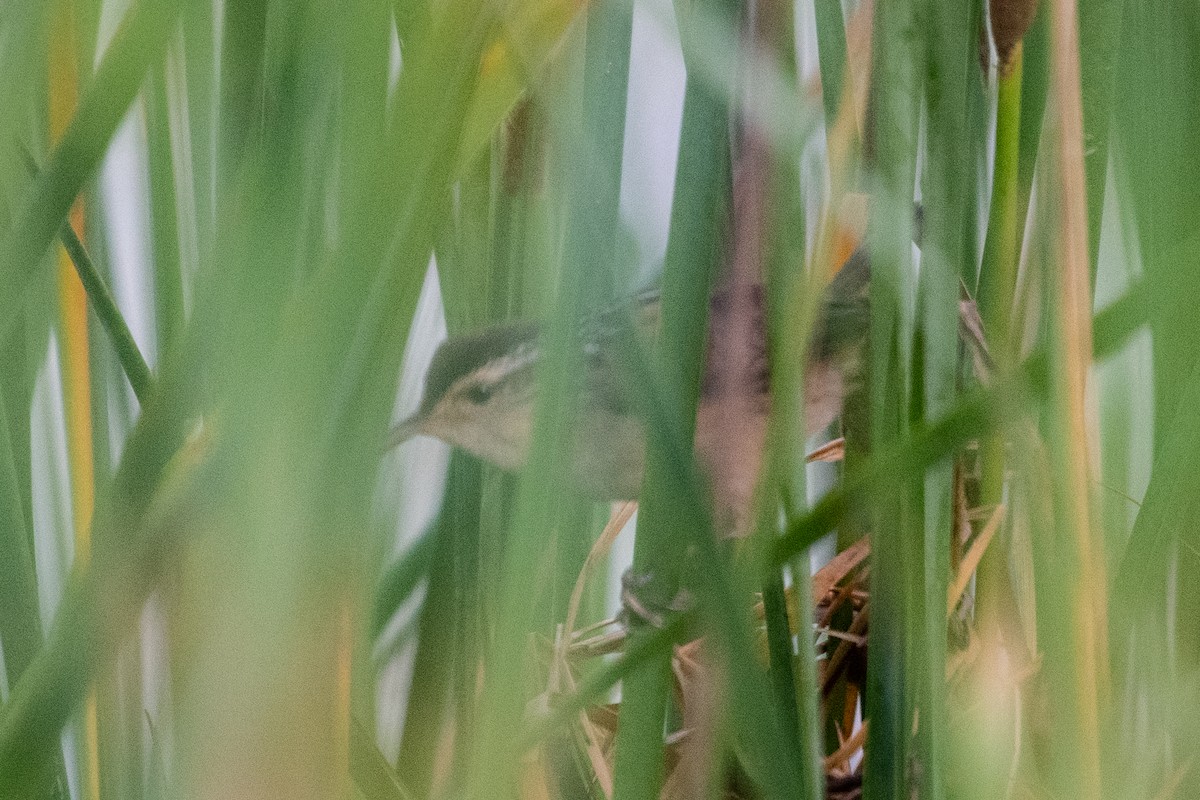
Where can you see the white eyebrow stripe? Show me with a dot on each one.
(500, 368)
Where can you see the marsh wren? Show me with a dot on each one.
(480, 390)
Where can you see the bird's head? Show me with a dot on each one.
(479, 394)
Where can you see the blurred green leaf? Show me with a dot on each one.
(139, 42)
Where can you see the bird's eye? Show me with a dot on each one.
(479, 394)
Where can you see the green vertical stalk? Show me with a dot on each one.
(521, 283)
(779, 650)
(807, 686)
(20, 625)
(1099, 37)
(20, 354)
(1072, 609)
(784, 480)
(1035, 83)
(439, 630)
(996, 297)
(23, 332)
(466, 268)
(168, 275)
(601, 145)
(590, 245)
(1157, 112)
(472, 293)
(198, 54)
(804, 696)
(831, 50)
(998, 275)
(593, 184)
(240, 109)
(978, 130)
(464, 251)
(948, 184)
(893, 677)
(692, 252)
(791, 306)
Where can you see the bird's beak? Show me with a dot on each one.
(403, 432)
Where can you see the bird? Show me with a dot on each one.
(480, 390)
